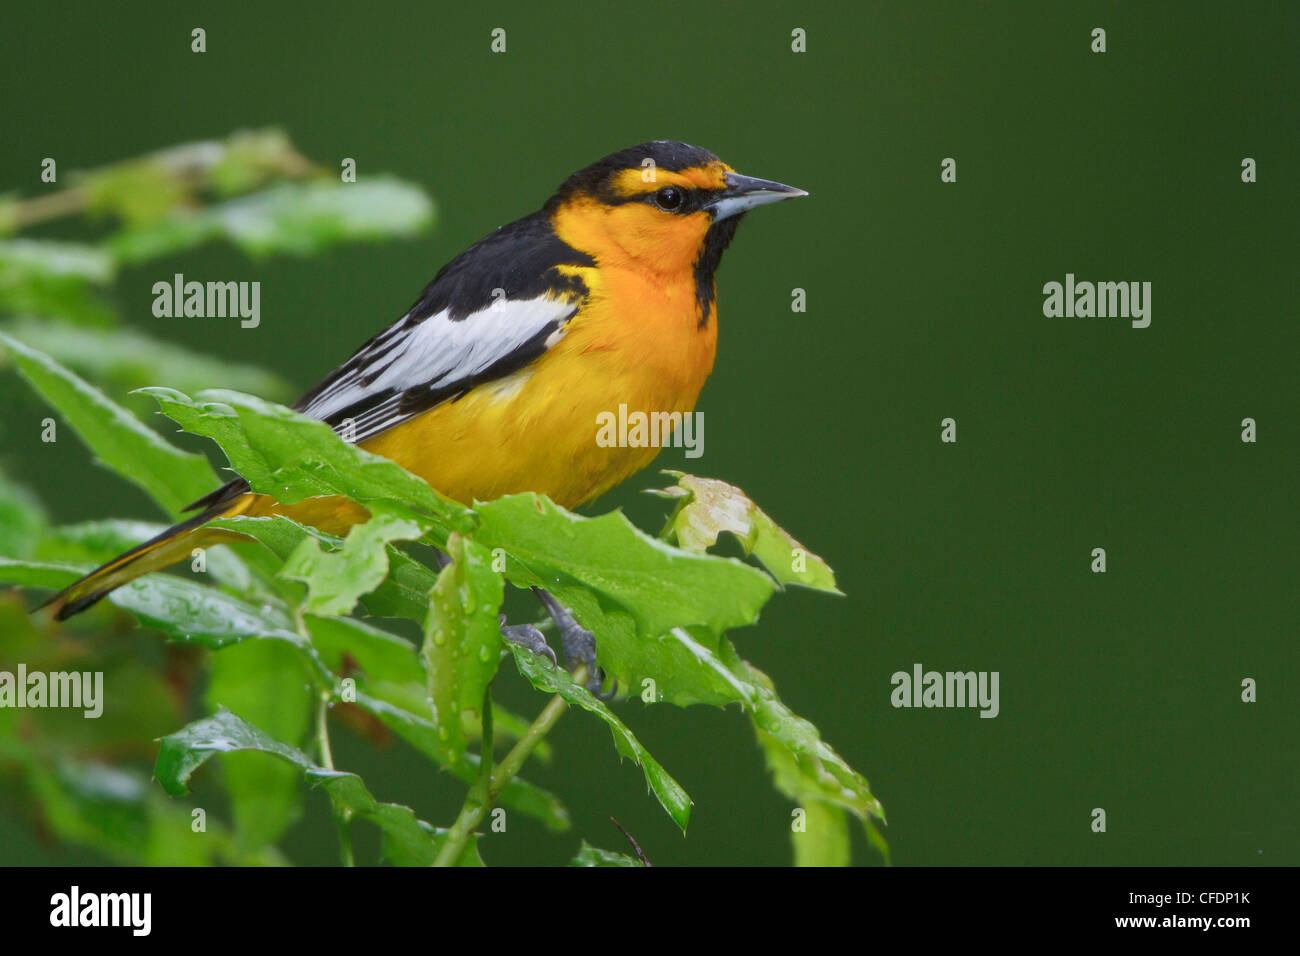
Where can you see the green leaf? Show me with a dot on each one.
(172, 477)
(139, 190)
(95, 541)
(824, 839)
(54, 278)
(392, 687)
(650, 605)
(380, 657)
(40, 574)
(336, 579)
(113, 811)
(545, 676)
(131, 359)
(803, 766)
(22, 519)
(707, 507)
(404, 593)
(296, 218)
(266, 684)
(462, 639)
(101, 541)
(589, 855)
(248, 158)
(291, 457)
(683, 665)
(661, 586)
(22, 260)
(407, 839)
(189, 612)
(419, 732)
(183, 752)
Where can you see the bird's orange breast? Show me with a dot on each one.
(637, 341)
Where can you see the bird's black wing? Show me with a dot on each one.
(489, 313)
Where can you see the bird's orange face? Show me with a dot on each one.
(657, 207)
(649, 217)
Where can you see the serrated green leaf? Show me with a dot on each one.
(403, 593)
(407, 840)
(185, 751)
(545, 676)
(462, 639)
(707, 507)
(804, 767)
(337, 579)
(172, 477)
(637, 595)
(291, 457)
(661, 586)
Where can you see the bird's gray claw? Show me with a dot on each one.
(579, 645)
(528, 637)
(595, 683)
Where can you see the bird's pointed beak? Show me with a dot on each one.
(745, 192)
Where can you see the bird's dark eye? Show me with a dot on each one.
(669, 198)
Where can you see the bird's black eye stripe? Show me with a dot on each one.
(670, 198)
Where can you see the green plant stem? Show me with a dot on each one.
(481, 797)
(342, 815)
(39, 209)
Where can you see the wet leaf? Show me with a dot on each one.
(172, 477)
(708, 507)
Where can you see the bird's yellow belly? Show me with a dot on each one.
(540, 429)
(490, 443)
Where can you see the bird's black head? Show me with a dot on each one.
(663, 206)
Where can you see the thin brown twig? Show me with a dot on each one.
(630, 839)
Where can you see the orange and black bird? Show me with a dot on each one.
(493, 381)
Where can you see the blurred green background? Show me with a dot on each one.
(1120, 690)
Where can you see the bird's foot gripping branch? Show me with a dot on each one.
(289, 613)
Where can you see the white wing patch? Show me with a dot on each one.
(436, 354)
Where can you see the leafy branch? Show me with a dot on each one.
(659, 611)
(295, 632)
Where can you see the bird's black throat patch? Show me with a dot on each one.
(716, 241)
